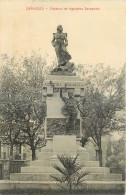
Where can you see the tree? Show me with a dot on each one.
(34, 110)
(23, 110)
(71, 173)
(100, 103)
(10, 125)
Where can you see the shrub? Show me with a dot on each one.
(72, 175)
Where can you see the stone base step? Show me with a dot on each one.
(90, 163)
(40, 163)
(46, 149)
(56, 161)
(84, 163)
(44, 155)
(46, 162)
(84, 156)
(38, 169)
(49, 169)
(118, 187)
(80, 149)
(47, 177)
(104, 177)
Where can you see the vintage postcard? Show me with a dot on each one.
(62, 97)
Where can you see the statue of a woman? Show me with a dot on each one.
(60, 43)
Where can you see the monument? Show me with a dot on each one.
(63, 89)
(63, 129)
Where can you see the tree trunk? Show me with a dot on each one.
(100, 149)
(33, 153)
(100, 157)
(70, 187)
(11, 151)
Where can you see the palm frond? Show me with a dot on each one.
(74, 160)
(62, 187)
(78, 168)
(83, 174)
(65, 161)
(61, 170)
(59, 179)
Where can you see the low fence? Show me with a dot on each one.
(11, 166)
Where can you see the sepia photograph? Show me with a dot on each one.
(62, 97)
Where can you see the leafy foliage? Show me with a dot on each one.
(22, 110)
(116, 157)
(10, 125)
(100, 103)
(72, 177)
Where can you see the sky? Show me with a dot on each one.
(94, 36)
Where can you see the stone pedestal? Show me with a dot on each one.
(56, 120)
(64, 145)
